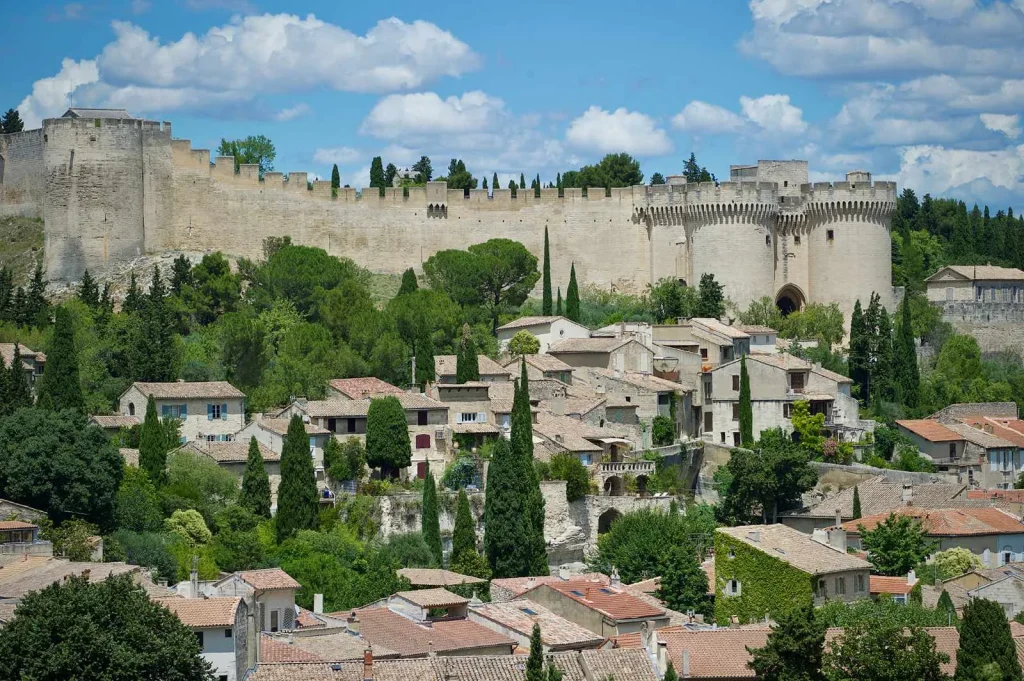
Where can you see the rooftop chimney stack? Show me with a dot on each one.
(839, 517)
(908, 494)
(368, 664)
(686, 664)
(352, 622)
(318, 604)
(615, 581)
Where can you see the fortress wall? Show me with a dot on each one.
(157, 187)
(792, 264)
(21, 173)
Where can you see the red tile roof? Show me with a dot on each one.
(949, 522)
(433, 598)
(381, 626)
(608, 600)
(933, 431)
(361, 388)
(1011, 430)
(270, 578)
(1011, 495)
(520, 585)
(15, 525)
(896, 586)
(203, 613)
(275, 650)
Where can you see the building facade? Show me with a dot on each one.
(212, 411)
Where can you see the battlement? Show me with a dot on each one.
(817, 192)
(58, 124)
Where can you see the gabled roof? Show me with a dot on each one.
(203, 613)
(543, 362)
(613, 602)
(641, 380)
(115, 421)
(517, 586)
(76, 112)
(524, 322)
(897, 586)
(437, 577)
(381, 626)
(355, 408)
(598, 345)
(230, 452)
(878, 495)
(1011, 430)
(16, 525)
(446, 365)
(556, 632)
(949, 522)
(930, 430)
(755, 329)
(433, 598)
(280, 426)
(188, 390)
(361, 388)
(978, 436)
(718, 327)
(7, 355)
(32, 573)
(979, 272)
(268, 579)
(796, 548)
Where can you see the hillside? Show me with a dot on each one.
(21, 243)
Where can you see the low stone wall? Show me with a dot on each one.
(896, 476)
(996, 326)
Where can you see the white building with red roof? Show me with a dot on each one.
(221, 627)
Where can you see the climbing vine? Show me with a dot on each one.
(768, 586)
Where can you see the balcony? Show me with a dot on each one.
(634, 468)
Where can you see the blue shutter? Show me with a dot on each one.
(209, 412)
(184, 412)
(224, 412)
(165, 411)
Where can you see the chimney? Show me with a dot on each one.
(662, 656)
(430, 649)
(318, 604)
(530, 583)
(754, 535)
(563, 573)
(352, 622)
(911, 578)
(908, 494)
(686, 664)
(615, 581)
(839, 518)
(368, 664)
(193, 578)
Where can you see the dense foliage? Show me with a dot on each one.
(758, 484)
(896, 544)
(794, 650)
(985, 638)
(296, 495)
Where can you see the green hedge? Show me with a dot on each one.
(768, 586)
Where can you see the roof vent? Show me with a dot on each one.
(754, 535)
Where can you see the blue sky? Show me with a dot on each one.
(926, 92)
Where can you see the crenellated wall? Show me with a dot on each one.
(111, 190)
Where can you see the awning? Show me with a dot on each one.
(614, 441)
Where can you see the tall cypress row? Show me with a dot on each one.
(546, 300)
(255, 495)
(856, 503)
(59, 387)
(558, 304)
(507, 527)
(908, 379)
(430, 521)
(153, 444)
(859, 353)
(746, 409)
(572, 296)
(882, 371)
(296, 495)
(522, 446)
(19, 394)
(464, 534)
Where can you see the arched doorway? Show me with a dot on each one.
(604, 522)
(613, 486)
(641, 485)
(789, 299)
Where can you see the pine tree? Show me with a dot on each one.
(255, 496)
(430, 521)
(794, 649)
(494, 182)
(535, 662)
(859, 361)
(6, 292)
(467, 364)
(19, 394)
(546, 299)
(335, 177)
(59, 387)
(746, 409)
(409, 283)
(464, 534)
(856, 503)
(88, 291)
(907, 377)
(985, 638)
(11, 122)
(377, 174)
(106, 302)
(153, 444)
(181, 274)
(296, 493)
(558, 303)
(572, 297)
(133, 297)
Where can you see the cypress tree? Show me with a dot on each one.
(467, 363)
(558, 181)
(430, 521)
(522, 181)
(409, 283)
(945, 605)
(19, 310)
(158, 331)
(558, 303)
(859, 353)
(572, 297)
(5, 392)
(882, 371)
(494, 181)
(670, 673)
(464, 535)
(132, 297)
(153, 444)
(377, 174)
(536, 186)
(88, 291)
(296, 494)
(59, 386)
(907, 377)
(856, 503)
(19, 394)
(746, 409)
(425, 361)
(35, 302)
(985, 638)
(522, 447)
(535, 662)
(387, 436)
(255, 495)
(794, 649)
(335, 177)
(546, 300)
(483, 184)
(507, 525)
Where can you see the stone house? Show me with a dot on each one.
(18, 537)
(542, 366)
(981, 452)
(269, 593)
(652, 396)
(211, 411)
(976, 283)
(714, 341)
(547, 330)
(776, 382)
(995, 536)
(360, 388)
(616, 354)
(761, 569)
(12, 510)
(113, 423)
(590, 443)
(445, 367)
(31, 361)
(221, 627)
(762, 338)
(606, 611)
(233, 456)
(270, 433)
(516, 619)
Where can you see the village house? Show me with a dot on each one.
(233, 456)
(270, 432)
(982, 451)
(113, 424)
(591, 444)
(517, 618)
(616, 354)
(547, 330)
(18, 537)
(221, 627)
(471, 415)
(1004, 585)
(542, 366)
(268, 593)
(360, 388)
(762, 338)
(713, 341)
(976, 283)
(211, 411)
(31, 361)
(436, 577)
(606, 611)
(992, 534)
(504, 589)
(777, 381)
(445, 367)
(652, 396)
(896, 588)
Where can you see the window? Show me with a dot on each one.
(222, 677)
(830, 235)
(952, 450)
(732, 588)
(703, 353)
(767, 240)
(629, 398)
(467, 417)
(174, 411)
(858, 583)
(273, 620)
(131, 409)
(796, 381)
(785, 183)
(709, 424)
(227, 633)
(351, 426)
(723, 437)
(199, 637)
(421, 418)
(423, 441)
(841, 586)
(735, 382)
(787, 410)
(735, 411)
(822, 589)
(796, 239)
(216, 412)
(736, 438)
(732, 555)
(1007, 557)
(332, 425)
(949, 293)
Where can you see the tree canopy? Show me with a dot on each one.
(254, 149)
(766, 480)
(896, 544)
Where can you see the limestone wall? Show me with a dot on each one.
(21, 173)
(996, 326)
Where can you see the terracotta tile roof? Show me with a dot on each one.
(270, 578)
(16, 525)
(361, 388)
(304, 619)
(330, 646)
(20, 574)
(949, 522)
(280, 426)
(754, 329)
(613, 602)
(569, 433)
(7, 354)
(1016, 629)
(990, 272)
(189, 389)
(588, 345)
(621, 665)
(437, 577)
(1011, 495)
(1011, 430)
(476, 428)
(648, 586)
(878, 495)
(782, 360)
(446, 365)
(203, 613)
(643, 381)
(930, 430)
(718, 327)
(230, 452)
(433, 598)
(337, 408)
(1019, 644)
(112, 421)
(517, 586)
(381, 626)
(523, 322)
(273, 649)
(543, 362)
(573, 405)
(979, 437)
(796, 548)
(556, 632)
(897, 586)
(831, 375)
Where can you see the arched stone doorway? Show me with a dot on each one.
(790, 299)
(604, 522)
(613, 486)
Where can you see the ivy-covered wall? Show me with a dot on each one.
(768, 586)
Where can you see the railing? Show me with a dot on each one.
(633, 468)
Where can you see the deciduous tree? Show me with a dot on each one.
(568, 467)
(794, 649)
(711, 299)
(254, 149)
(896, 544)
(767, 480)
(684, 584)
(523, 343)
(886, 652)
(296, 494)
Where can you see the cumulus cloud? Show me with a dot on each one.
(339, 155)
(938, 169)
(1008, 125)
(602, 131)
(253, 56)
(774, 113)
(421, 113)
(702, 118)
(300, 109)
(49, 96)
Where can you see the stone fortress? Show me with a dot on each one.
(111, 188)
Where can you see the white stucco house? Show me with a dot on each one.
(547, 330)
(213, 410)
(221, 627)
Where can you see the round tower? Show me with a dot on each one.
(730, 230)
(850, 248)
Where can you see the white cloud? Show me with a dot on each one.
(601, 131)
(50, 95)
(937, 169)
(774, 113)
(425, 113)
(292, 112)
(1008, 125)
(340, 155)
(702, 118)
